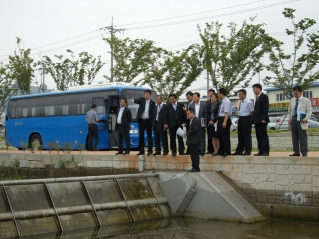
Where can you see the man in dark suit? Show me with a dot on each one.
(193, 140)
(144, 118)
(176, 119)
(200, 112)
(189, 97)
(159, 119)
(124, 117)
(261, 120)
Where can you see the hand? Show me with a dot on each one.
(303, 121)
(224, 125)
(263, 121)
(184, 109)
(132, 100)
(165, 126)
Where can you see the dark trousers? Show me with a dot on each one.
(142, 126)
(224, 135)
(262, 138)
(194, 153)
(299, 136)
(160, 135)
(244, 134)
(210, 147)
(124, 134)
(202, 140)
(172, 134)
(93, 132)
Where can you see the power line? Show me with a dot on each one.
(163, 19)
(221, 15)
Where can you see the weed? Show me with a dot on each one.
(15, 163)
(57, 147)
(7, 143)
(80, 147)
(67, 147)
(50, 146)
(24, 145)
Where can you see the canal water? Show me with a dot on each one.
(181, 228)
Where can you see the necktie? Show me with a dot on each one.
(296, 107)
(119, 118)
(175, 106)
(158, 110)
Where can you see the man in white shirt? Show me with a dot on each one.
(299, 113)
(245, 115)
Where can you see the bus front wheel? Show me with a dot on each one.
(35, 141)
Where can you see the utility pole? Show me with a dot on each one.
(112, 30)
(43, 86)
(207, 82)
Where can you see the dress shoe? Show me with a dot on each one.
(263, 154)
(225, 155)
(193, 170)
(304, 155)
(246, 154)
(173, 154)
(126, 153)
(181, 153)
(94, 150)
(201, 154)
(208, 152)
(258, 154)
(164, 154)
(294, 154)
(149, 153)
(215, 154)
(140, 154)
(118, 153)
(235, 153)
(156, 154)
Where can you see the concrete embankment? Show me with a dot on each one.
(280, 186)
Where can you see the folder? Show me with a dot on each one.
(301, 115)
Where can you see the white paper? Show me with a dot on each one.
(299, 113)
(181, 132)
(215, 125)
(203, 122)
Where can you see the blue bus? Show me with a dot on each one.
(59, 117)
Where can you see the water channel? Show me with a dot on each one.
(181, 228)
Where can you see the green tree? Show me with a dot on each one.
(20, 68)
(132, 58)
(294, 68)
(233, 60)
(66, 71)
(6, 90)
(173, 72)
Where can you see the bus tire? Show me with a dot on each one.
(36, 138)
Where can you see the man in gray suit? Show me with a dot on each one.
(200, 112)
(299, 113)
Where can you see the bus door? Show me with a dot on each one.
(113, 104)
(102, 125)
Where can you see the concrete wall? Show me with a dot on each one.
(281, 187)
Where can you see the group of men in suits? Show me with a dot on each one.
(161, 118)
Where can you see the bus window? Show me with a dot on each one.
(100, 104)
(68, 105)
(46, 106)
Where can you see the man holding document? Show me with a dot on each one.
(299, 113)
(193, 139)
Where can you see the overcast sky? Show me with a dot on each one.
(50, 27)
